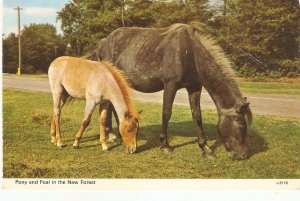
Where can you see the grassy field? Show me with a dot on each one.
(269, 88)
(28, 153)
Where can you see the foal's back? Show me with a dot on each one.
(79, 77)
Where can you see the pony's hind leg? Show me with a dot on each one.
(194, 99)
(89, 107)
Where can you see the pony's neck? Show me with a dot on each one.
(222, 88)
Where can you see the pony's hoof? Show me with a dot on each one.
(210, 156)
(166, 149)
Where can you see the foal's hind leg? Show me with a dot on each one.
(89, 107)
(63, 98)
(55, 127)
(103, 118)
(194, 99)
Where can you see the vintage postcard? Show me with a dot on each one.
(150, 95)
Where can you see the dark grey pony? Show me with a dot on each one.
(181, 56)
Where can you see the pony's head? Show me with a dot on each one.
(232, 127)
(129, 129)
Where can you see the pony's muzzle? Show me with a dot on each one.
(240, 156)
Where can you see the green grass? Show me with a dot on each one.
(270, 88)
(28, 153)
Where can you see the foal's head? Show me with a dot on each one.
(232, 128)
(129, 129)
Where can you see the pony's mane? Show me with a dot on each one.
(124, 84)
(198, 30)
(209, 42)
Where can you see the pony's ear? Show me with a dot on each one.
(243, 108)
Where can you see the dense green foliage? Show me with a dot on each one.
(28, 153)
(267, 30)
(261, 37)
(40, 45)
(85, 22)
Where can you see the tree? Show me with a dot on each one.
(40, 45)
(268, 30)
(10, 53)
(84, 22)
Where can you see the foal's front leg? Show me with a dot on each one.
(89, 107)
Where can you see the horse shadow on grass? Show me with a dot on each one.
(85, 142)
(150, 134)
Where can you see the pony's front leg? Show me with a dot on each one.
(194, 99)
(107, 105)
(89, 107)
(170, 89)
(103, 118)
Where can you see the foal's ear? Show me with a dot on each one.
(127, 115)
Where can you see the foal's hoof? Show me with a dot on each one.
(112, 137)
(61, 146)
(104, 148)
(75, 146)
(166, 149)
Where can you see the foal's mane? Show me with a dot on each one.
(124, 84)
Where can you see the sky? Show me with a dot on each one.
(34, 11)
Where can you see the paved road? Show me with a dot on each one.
(281, 105)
